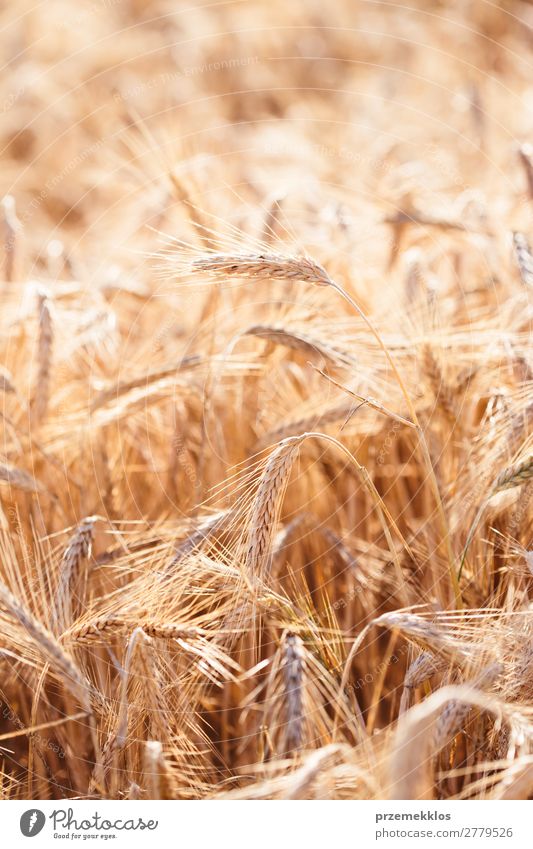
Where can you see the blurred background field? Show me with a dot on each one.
(197, 590)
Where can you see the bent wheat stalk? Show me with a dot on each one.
(77, 550)
(266, 505)
(267, 501)
(47, 645)
(304, 269)
(60, 662)
(298, 341)
(515, 475)
(455, 712)
(410, 764)
(424, 667)
(344, 410)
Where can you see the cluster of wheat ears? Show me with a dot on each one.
(266, 384)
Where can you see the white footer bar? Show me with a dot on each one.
(276, 825)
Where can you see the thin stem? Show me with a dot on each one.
(422, 439)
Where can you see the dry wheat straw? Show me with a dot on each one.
(519, 425)
(153, 688)
(410, 765)
(413, 216)
(522, 367)
(414, 279)
(516, 782)
(161, 684)
(118, 737)
(196, 217)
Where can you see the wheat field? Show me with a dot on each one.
(266, 381)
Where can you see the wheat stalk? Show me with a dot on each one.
(231, 643)
(261, 267)
(12, 228)
(510, 477)
(265, 507)
(109, 626)
(78, 549)
(420, 670)
(340, 411)
(299, 341)
(6, 381)
(317, 762)
(113, 393)
(44, 358)
(524, 257)
(423, 730)
(452, 718)
(443, 394)
(293, 673)
(272, 216)
(516, 782)
(196, 217)
(304, 269)
(19, 479)
(46, 644)
(525, 152)
(206, 529)
(156, 770)
(424, 633)
(514, 475)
